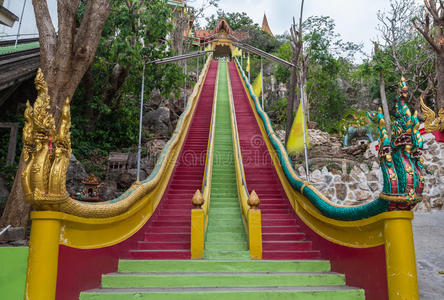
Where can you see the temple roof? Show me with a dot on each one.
(222, 25)
(265, 26)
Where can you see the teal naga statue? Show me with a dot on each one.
(400, 159)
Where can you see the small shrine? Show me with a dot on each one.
(220, 39)
(91, 189)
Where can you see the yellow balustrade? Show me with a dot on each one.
(251, 215)
(83, 225)
(400, 258)
(199, 217)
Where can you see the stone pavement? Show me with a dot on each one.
(428, 232)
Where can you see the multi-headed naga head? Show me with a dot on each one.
(400, 156)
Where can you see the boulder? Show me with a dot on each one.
(158, 121)
(124, 181)
(154, 149)
(75, 176)
(14, 234)
(155, 100)
(108, 190)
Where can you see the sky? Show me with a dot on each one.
(28, 25)
(355, 20)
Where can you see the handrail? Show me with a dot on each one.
(199, 216)
(251, 215)
(322, 203)
(109, 230)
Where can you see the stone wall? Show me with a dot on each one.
(360, 181)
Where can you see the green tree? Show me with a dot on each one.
(106, 115)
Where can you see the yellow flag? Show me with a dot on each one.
(236, 52)
(248, 65)
(295, 142)
(257, 85)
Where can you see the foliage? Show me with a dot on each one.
(106, 105)
(234, 19)
(356, 118)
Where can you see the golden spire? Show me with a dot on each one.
(265, 26)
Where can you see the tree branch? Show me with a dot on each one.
(47, 35)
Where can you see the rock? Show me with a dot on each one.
(335, 172)
(155, 100)
(324, 171)
(133, 173)
(124, 181)
(316, 176)
(374, 186)
(14, 234)
(363, 195)
(431, 168)
(158, 121)
(328, 179)
(154, 148)
(301, 171)
(318, 137)
(357, 174)
(351, 196)
(281, 135)
(438, 203)
(372, 176)
(330, 193)
(353, 186)
(364, 168)
(341, 191)
(19, 243)
(312, 125)
(346, 178)
(364, 186)
(75, 176)
(375, 166)
(108, 190)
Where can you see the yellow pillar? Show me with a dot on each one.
(400, 258)
(197, 233)
(41, 277)
(255, 233)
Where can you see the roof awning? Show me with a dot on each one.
(264, 54)
(180, 57)
(6, 17)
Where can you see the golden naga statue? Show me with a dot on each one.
(432, 123)
(47, 154)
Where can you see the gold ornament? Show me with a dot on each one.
(253, 200)
(198, 200)
(432, 123)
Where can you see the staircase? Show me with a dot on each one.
(226, 272)
(225, 237)
(281, 235)
(223, 279)
(168, 234)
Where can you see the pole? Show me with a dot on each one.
(197, 67)
(139, 148)
(20, 24)
(249, 71)
(185, 88)
(242, 60)
(305, 133)
(262, 83)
